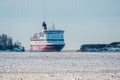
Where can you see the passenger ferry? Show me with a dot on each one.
(47, 40)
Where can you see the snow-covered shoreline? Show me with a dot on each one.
(19, 49)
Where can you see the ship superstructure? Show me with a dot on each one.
(47, 40)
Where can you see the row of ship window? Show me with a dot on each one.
(55, 39)
(52, 36)
(50, 40)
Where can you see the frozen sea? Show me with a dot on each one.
(59, 65)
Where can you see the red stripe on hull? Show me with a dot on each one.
(46, 47)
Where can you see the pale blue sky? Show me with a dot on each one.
(84, 21)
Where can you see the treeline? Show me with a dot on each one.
(112, 47)
(6, 43)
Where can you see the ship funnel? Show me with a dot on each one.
(44, 26)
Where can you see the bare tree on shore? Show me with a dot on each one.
(6, 43)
